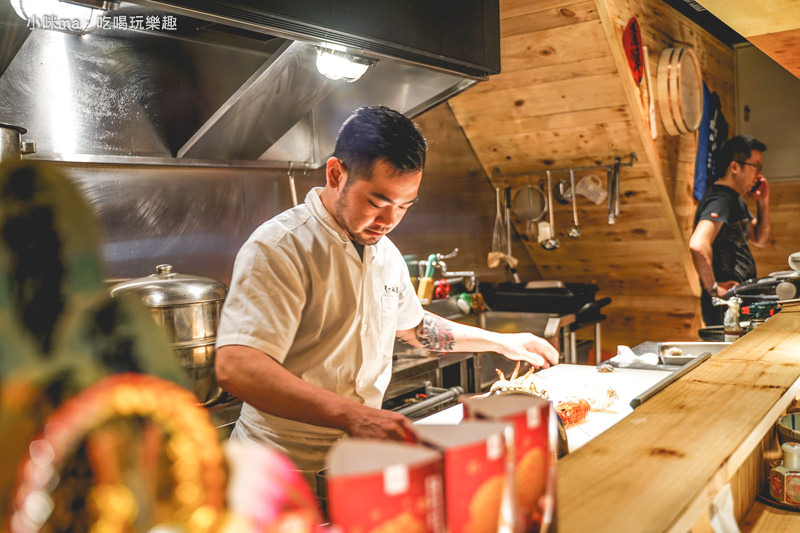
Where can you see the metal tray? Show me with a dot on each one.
(690, 351)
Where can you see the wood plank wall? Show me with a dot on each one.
(784, 206)
(662, 28)
(565, 97)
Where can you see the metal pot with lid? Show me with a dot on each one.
(188, 307)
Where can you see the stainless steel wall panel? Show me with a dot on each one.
(192, 218)
(118, 93)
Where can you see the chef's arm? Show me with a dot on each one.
(441, 335)
(258, 379)
(700, 244)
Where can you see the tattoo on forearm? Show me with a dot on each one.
(435, 334)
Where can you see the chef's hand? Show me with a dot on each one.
(369, 423)
(527, 347)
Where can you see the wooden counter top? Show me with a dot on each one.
(659, 468)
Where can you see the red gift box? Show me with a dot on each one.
(475, 472)
(382, 487)
(534, 456)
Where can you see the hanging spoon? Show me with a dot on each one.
(575, 231)
(551, 243)
(292, 186)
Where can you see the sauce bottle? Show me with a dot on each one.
(732, 330)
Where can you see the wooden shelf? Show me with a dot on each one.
(767, 519)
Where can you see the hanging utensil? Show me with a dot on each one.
(612, 217)
(529, 202)
(575, 231)
(529, 205)
(498, 251)
(550, 243)
(510, 259)
(292, 187)
(651, 100)
(616, 186)
(632, 46)
(561, 192)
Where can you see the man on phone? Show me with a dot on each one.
(723, 225)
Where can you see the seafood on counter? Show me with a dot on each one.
(572, 411)
(525, 383)
(674, 351)
(605, 368)
(572, 405)
(599, 397)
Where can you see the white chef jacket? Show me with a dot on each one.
(301, 294)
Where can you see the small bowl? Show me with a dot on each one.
(794, 261)
(789, 428)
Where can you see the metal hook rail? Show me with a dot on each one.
(612, 173)
(632, 158)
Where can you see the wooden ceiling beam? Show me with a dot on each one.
(773, 27)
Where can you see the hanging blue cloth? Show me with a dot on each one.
(713, 131)
(701, 161)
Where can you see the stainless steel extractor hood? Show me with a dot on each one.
(233, 82)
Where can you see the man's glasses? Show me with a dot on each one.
(757, 166)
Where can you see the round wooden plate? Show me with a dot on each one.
(679, 90)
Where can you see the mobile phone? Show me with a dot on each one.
(758, 185)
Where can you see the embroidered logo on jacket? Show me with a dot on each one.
(391, 290)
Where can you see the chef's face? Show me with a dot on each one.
(749, 172)
(370, 207)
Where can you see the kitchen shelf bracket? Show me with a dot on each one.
(632, 158)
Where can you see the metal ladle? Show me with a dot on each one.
(292, 187)
(552, 243)
(575, 231)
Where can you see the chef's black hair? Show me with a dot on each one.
(377, 132)
(736, 148)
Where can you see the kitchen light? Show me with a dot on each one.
(58, 15)
(338, 65)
